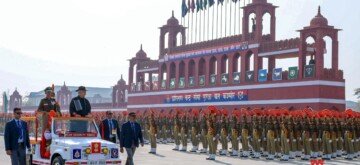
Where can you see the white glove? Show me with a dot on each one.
(264, 139)
(294, 140)
(288, 140)
(310, 139)
(259, 140)
(214, 138)
(238, 138)
(330, 141)
(352, 140)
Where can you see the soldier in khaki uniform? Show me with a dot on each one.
(256, 136)
(177, 128)
(292, 143)
(204, 129)
(46, 104)
(195, 133)
(326, 139)
(314, 137)
(224, 132)
(244, 135)
(211, 133)
(349, 139)
(305, 135)
(284, 139)
(235, 136)
(153, 130)
(184, 132)
(270, 137)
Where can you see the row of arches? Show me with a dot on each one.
(214, 65)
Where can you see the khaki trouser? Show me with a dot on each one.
(270, 141)
(152, 139)
(256, 141)
(204, 139)
(292, 142)
(284, 143)
(334, 142)
(314, 143)
(224, 141)
(212, 144)
(326, 142)
(176, 136)
(234, 140)
(349, 145)
(306, 144)
(194, 138)
(245, 140)
(183, 137)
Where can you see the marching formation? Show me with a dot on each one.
(272, 134)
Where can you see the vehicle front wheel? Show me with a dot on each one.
(58, 161)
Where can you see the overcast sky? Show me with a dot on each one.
(88, 42)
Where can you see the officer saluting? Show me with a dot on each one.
(80, 106)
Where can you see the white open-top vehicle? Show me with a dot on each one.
(74, 141)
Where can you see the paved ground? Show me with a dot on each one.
(166, 156)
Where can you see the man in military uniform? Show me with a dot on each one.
(177, 127)
(255, 136)
(46, 104)
(270, 137)
(235, 137)
(326, 139)
(204, 129)
(305, 135)
(224, 132)
(211, 133)
(195, 133)
(184, 132)
(245, 136)
(349, 139)
(152, 133)
(284, 139)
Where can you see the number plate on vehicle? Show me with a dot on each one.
(96, 162)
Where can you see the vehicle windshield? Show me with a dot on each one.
(74, 128)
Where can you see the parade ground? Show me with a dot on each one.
(166, 156)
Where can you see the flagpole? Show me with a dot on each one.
(200, 26)
(240, 16)
(235, 18)
(192, 26)
(208, 23)
(204, 28)
(225, 15)
(188, 27)
(196, 19)
(217, 20)
(212, 28)
(230, 18)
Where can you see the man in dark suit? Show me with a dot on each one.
(129, 138)
(17, 139)
(109, 128)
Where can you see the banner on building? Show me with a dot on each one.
(172, 83)
(191, 81)
(277, 74)
(293, 73)
(155, 85)
(213, 79)
(133, 87)
(147, 86)
(163, 84)
(249, 76)
(241, 95)
(224, 78)
(309, 71)
(181, 82)
(202, 80)
(138, 86)
(262, 77)
(236, 77)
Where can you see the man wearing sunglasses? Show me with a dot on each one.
(16, 139)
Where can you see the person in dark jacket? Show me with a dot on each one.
(129, 138)
(80, 106)
(109, 128)
(16, 139)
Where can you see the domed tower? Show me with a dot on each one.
(63, 96)
(119, 93)
(140, 56)
(318, 30)
(15, 100)
(172, 29)
(259, 8)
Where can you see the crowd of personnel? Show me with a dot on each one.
(250, 133)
